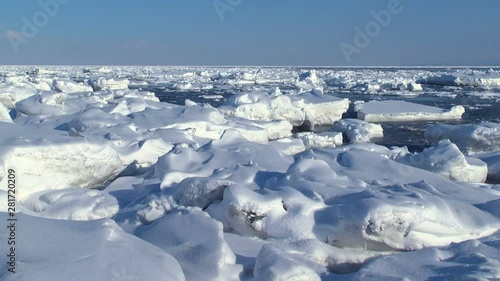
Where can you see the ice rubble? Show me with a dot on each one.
(470, 138)
(230, 193)
(391, 110)
(358, 131)
(307, 108)
(474, 78)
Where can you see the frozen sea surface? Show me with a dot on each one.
(481, 103)
(251, 173)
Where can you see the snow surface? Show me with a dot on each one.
(115, 185)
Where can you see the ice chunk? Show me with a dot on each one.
(415, 87)
(4, 114)
(10, 95)
(309, 80)
(231, 157)
(200, 192)
(391, 110)
(68, 86)
(492, 159)
(319, 108)
(310, 108)
(469, 138)
(55, 161)
(358, 131)
(320, 140)
(206, 122)
(109, 84)
(447, 160)
(260, 106)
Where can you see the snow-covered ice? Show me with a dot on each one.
(391, 110)
(358, 131)
(99, 250)
(248, 173)
(470, 138)
(447, 160)
(309, 108)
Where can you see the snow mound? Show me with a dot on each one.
(470, 260)
(72, 204)
(196, 241)
(272, 264)
(231, 157)
(391, 110)
(358, 131)
(55, 161)
(98, 250)
(207, 122)
(382, 205)
(447, 160)
(469, 138)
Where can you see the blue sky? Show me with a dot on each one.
(253, 32)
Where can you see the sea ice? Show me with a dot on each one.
(55, 161)
(71, 204)
(358, 131)
(99, 250)
(391, 110)
(196, 241)
(469, 138)
(447, 160)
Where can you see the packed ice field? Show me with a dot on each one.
(248, 173)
